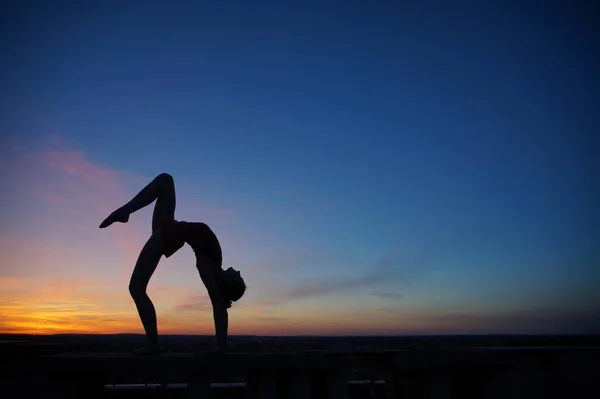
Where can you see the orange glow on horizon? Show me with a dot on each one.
(39, 319)
(20, 319)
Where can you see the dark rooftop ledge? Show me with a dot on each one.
(182, 363)
(480, 371)
(177, 363)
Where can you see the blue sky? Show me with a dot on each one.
(430, 162)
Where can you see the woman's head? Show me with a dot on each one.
(233, 286)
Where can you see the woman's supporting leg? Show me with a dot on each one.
(161, 189)
(144, 268)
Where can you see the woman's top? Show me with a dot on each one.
(196, 234)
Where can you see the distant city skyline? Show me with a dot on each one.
(371, 169)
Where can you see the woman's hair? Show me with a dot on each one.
(232, 289)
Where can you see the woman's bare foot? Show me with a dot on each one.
(120, 215)
(147, 351)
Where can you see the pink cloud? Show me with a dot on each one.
(76, 164)
(77, 173)
(73, 193)
(48, 196)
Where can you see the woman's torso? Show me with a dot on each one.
(198, 236)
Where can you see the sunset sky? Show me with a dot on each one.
(370, 169)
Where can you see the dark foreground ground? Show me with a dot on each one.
(493, 366)
(189, 343)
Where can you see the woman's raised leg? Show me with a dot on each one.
(161, 189)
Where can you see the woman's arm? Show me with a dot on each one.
(221, 318)
(220, 315)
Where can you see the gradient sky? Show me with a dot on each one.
(370, 168)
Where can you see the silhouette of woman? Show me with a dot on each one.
(168, 236)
